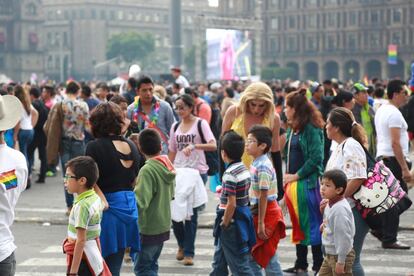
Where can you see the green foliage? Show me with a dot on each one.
(270, 73)
(131, 46)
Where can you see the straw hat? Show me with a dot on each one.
(11, 110)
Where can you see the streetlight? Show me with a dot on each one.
(59, 40)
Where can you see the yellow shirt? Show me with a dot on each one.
(238, 127)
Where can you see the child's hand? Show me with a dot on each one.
(323, 204)
(188, 149)
(289, 178)
(340, 268)
(322, 227)
(261, 231)
(106, 205)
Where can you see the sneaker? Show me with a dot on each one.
(291, 270)
(50, 174)
(40, 180)
(188, 261)
(180, 254)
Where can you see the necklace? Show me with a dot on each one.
(152, 116)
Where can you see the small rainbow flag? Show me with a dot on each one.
(9, 179)
(392, 54)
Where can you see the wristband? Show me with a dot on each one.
(192, 147)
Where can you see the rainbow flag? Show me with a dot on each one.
(9, 179)
(392, 54)
(303, 205)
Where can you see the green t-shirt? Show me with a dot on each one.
(87, 214)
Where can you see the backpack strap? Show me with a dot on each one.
(200, 131)
(177, 124)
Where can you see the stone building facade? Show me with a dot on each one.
(21, 47)
(345, 39)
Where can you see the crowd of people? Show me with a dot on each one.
(122, 152)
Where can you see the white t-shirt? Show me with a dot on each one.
(13, 180)
(378, 103)
(388, 116)
(349, 157)
(26, 121)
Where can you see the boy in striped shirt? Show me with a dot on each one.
(233, 230)
(82, 244)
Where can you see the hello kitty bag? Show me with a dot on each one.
(380, 193)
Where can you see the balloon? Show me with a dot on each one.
(134, 71)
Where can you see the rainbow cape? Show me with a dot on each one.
(8, 179)
(303, 204)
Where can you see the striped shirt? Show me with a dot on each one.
(86, 214)
(236, 182)
(263, 178)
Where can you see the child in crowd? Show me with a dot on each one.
(338, 228)
(267, 215)
(154, 191)
(234, 229)
(82, 245)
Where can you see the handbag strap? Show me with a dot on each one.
(288, 151)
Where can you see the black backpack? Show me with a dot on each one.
(211, 156)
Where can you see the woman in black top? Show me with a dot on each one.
(117, 159)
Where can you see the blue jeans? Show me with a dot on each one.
(273, 267)
(227, 253)
(71, 148)
(185, 233)
(25, 138)
(114, 262)
(361, 230)
(8, 266)
(146, 262)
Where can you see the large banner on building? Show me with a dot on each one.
(229, 54)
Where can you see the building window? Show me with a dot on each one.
(332, 2)
(130, 16)
(311, 3)
(291, 22)
(112, 15)
(274, 3)
(292, 44)
(397, 16)
(352, 42)
(49, 62)
(312, 44)
(103, 15)
(274, 45)
(274, 23)
(93, 14)
(353, 18)
(31, 9)
(292, 4)
(82, 14)
(120, 15)
(138, 16)
(331, 20)
(375, 16)
(331, 42)
(396, 38)
(65, 39)
(375, 40)
(311, 21)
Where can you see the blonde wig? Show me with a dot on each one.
(160, 92)
(258, 91)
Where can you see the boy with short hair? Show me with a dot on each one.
(338, 228)
(267, 215)
(234, 229)
(154, 191)
(82, 245)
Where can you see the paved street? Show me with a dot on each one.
(41, 227)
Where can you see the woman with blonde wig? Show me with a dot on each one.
(256, 108)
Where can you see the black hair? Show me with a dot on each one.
(132, 82)
(232, 144)
(84, 166)
(72, 88)
(103, 86)
(338, 178)
(394, 86)
(2, 92)
(379, 92)
(118, 99)
(190, 91)
(35, 92)
(342, 97)
(263, 135)
(49, 89)
(187, 99)
(144, 79)
(149, 141)
(327, 82)
(230, 92)
(370, 90)
(86, 90)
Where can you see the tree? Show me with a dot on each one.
(131, 46)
